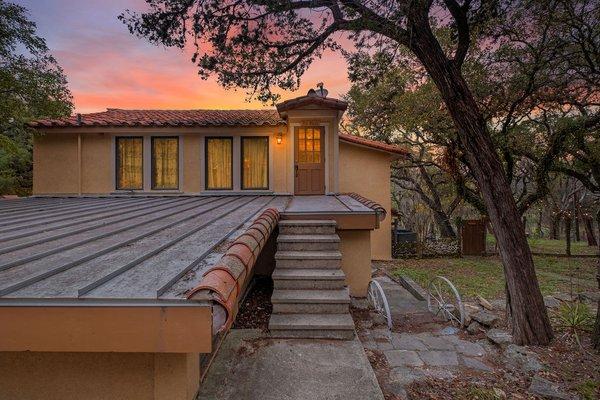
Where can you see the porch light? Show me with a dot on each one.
(279, 137)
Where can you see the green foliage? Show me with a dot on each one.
(32, 86)
(574, 318)
(589, 390)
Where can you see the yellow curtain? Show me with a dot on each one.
(255, 163)
(129, 168)
(219, 163)
(165, 163)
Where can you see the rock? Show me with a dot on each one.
(563, 296)
(359, 302)
(548, 390)
(475, 364)
(551, 302)
(449, 330)
(485, 318)
(403, 341)
(484, 303)
(499, 304)
(378, 319)
(499, 393)
(499, 337)
(520, 357)
(591, 297)
(469, 348)
(402, 358)
(436, 358)
(474, 328)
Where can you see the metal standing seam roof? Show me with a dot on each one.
(117, 248)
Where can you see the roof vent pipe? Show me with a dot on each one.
(78, 119)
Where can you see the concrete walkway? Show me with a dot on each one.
(252, 367)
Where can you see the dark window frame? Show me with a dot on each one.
(206, 140)
(118, 161)
(153, 183)
(242, 161)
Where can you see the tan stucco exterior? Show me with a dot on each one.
(355, 246)
(99, 376)
(179, 329)
(367, 172)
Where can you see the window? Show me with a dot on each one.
(129, 155)
(255, 162)
(219, 158)
(165, 163)
(309, 145)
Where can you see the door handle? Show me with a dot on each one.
(296, 170)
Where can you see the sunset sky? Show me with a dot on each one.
(108, 67)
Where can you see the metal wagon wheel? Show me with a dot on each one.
(378, 301)
(443, 299)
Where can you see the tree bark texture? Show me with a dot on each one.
(596, 333)
(568, 235)
(529, 318)
(589, 232)
(554, 227)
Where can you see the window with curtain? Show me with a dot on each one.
(255, 162)
(219, 163)
(165, 163)
(129, 154)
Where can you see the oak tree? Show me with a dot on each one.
(262, 44)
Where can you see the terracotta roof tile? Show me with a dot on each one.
(390, 148)
(119, 117)
(327, 102)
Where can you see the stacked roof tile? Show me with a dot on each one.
(120, 117)
(391, 148)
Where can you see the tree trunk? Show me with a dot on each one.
(530, 322)
(443, 224)
(596, 333)
(554, 227)
(589, 232)
(568, 235)
(576, 217)
(539, 225)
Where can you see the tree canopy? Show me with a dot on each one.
(32, 85)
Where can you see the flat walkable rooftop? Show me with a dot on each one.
(117, 248)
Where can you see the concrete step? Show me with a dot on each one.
(308, 279)
(312, 301)
(307, 227)
(307, 242)
(308, 259)
(324, 326)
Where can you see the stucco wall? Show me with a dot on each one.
(367, 172)
(355, 247)
(98, 376)
(56, 165)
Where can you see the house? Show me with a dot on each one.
(123, 272)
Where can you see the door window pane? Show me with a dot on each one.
(255, 163)
(165, 163)
(129, 166)
(219, 163)
(309, 145)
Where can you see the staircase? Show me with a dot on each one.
(310, 299)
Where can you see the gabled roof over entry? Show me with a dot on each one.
(312, 99)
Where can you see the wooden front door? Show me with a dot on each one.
(309, 161)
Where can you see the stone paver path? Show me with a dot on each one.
(438, 353)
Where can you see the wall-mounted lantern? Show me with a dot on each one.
(279, 136)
